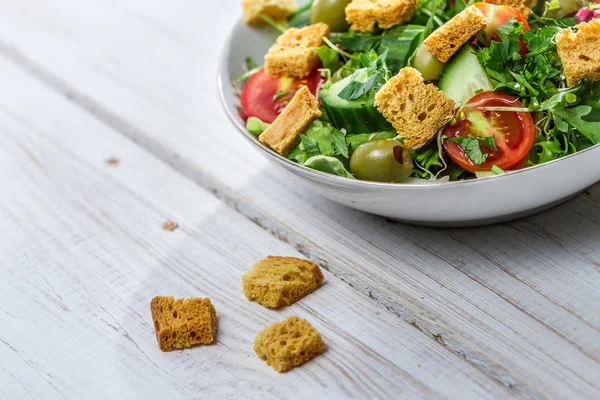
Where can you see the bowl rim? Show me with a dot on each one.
(234, 117)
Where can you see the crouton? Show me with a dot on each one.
(580, 52)
(183, 323)
(520, 5)
(288, 344)
(278, 10)
(280, 281)
(415, 109)
(445, 41)
(366, 15)
(284, 132)
(294, 52)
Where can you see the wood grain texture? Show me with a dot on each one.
(518, 302)
(84, 251)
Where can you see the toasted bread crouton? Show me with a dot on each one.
(520, 5)
(366, 15)
(294, 52)
(280, 281)
(183, 323)
(415, 109)
(284, 132)
(445, 41)
(580, 52)
(288, 344)
(278, 10)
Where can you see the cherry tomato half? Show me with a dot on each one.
(498, 16)
(265, 96)
(514, 132)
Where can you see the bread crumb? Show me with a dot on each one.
(288, 344)
(280, 281)
(183, 323)
(113, 162)
(170, 226)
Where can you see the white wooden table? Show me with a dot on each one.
(110, 126)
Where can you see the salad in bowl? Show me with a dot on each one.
(424, 91)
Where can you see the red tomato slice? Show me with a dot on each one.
(259, 94)
(498, 16)
(514, 132)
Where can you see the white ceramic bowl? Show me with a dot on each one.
(455, 204)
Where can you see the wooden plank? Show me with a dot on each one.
(492, 294)
(83, 253)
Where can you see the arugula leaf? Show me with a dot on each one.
(329, 58)
(584, 119)
(331, 165)
(472, 147)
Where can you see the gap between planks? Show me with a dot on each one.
(274, 227)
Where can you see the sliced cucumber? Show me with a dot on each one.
(464, 77)
(356, 116)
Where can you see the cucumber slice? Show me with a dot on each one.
(357, 116)
(463, 77)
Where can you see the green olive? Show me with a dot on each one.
(381, 160)
(427, 64)
(330, 12)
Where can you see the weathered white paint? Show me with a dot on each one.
(518, 302)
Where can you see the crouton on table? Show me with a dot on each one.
(288, 344)
(282, 135)
(294, 52)
(445, 41)
(366, 15)
(278, 10)
(415, 109)
(183, 323)
(280, 281)
(580, 52)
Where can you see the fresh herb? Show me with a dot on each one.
(565, 117)
(472, 147)
(255, 126)
(369, 81)
(321, 138)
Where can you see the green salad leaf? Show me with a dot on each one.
(321, 138)
(331, 165)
